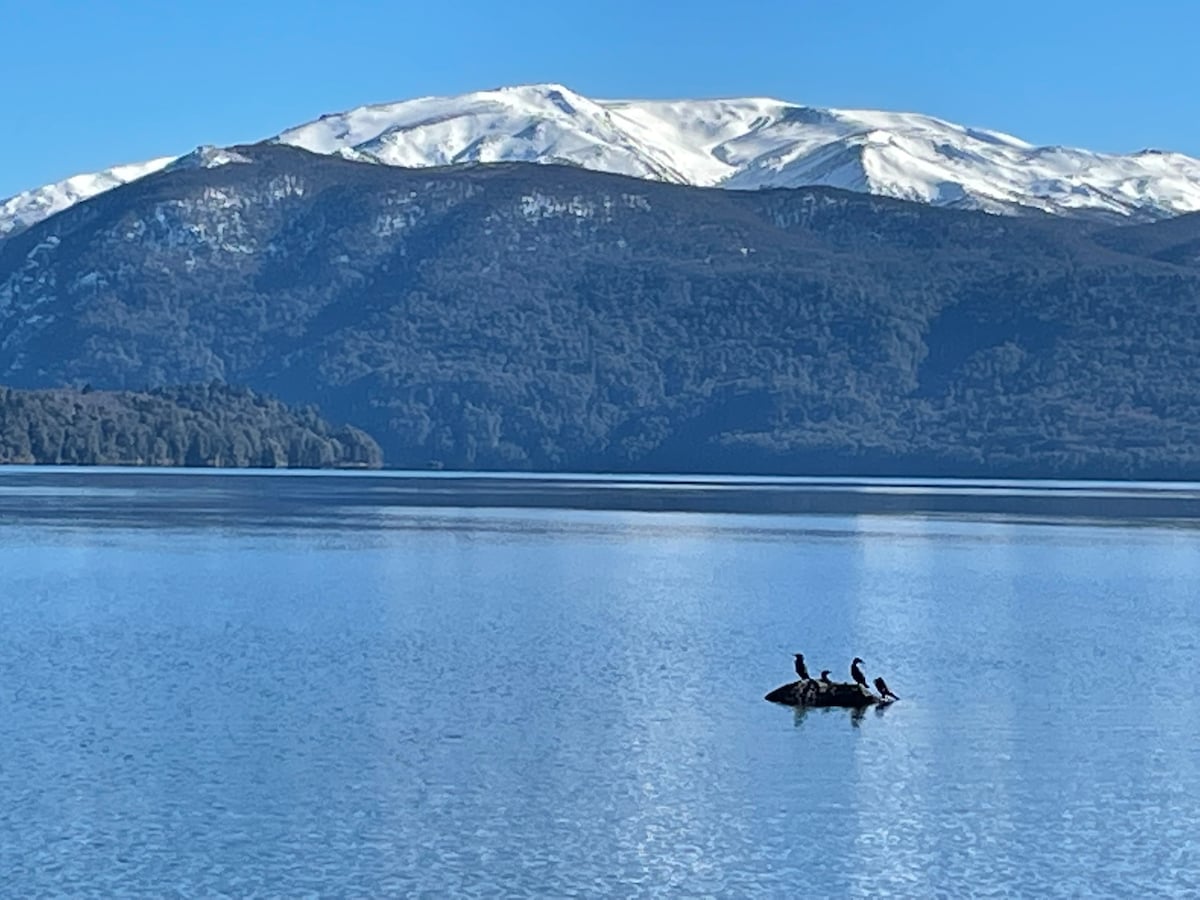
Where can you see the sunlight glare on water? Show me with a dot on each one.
(356, 698)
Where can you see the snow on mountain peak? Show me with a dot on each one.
(528, 123)
(206, 156)
(747, 143)
(29, 207)
(761, 143)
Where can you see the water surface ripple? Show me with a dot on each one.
(344, 697)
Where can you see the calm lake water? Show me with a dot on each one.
(289, 685)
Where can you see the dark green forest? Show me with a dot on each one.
(204, 425)
(549, 318)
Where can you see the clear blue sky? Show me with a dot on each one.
(85, 84)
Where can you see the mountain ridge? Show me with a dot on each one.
(520, 316)
(736, 143)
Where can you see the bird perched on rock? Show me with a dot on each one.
(801, 668)
(825, 677)
(884, 691)
(856, 673)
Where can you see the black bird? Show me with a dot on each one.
(856, 672)
(801, 668)
(884, 691)
(825, 677)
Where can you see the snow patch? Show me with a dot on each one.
(207, 156)
(542, 206)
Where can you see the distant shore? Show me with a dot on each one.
(298, 489)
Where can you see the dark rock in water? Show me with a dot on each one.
(816, 693)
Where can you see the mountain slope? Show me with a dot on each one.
(740, 144)
(30, 207)
(519, 316)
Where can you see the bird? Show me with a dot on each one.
(856, 672)
(884, 691)
(825, 677)
(801, 668)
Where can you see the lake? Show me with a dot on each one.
(369, 685)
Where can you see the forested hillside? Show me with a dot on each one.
(211, 425)
(541, 317)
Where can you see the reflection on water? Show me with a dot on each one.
(259, 498)
(259, 687)
(854, 715)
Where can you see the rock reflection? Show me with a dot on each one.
(800, 714)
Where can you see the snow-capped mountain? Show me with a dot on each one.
(758, 143)
(739, 144)
(29, 207)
